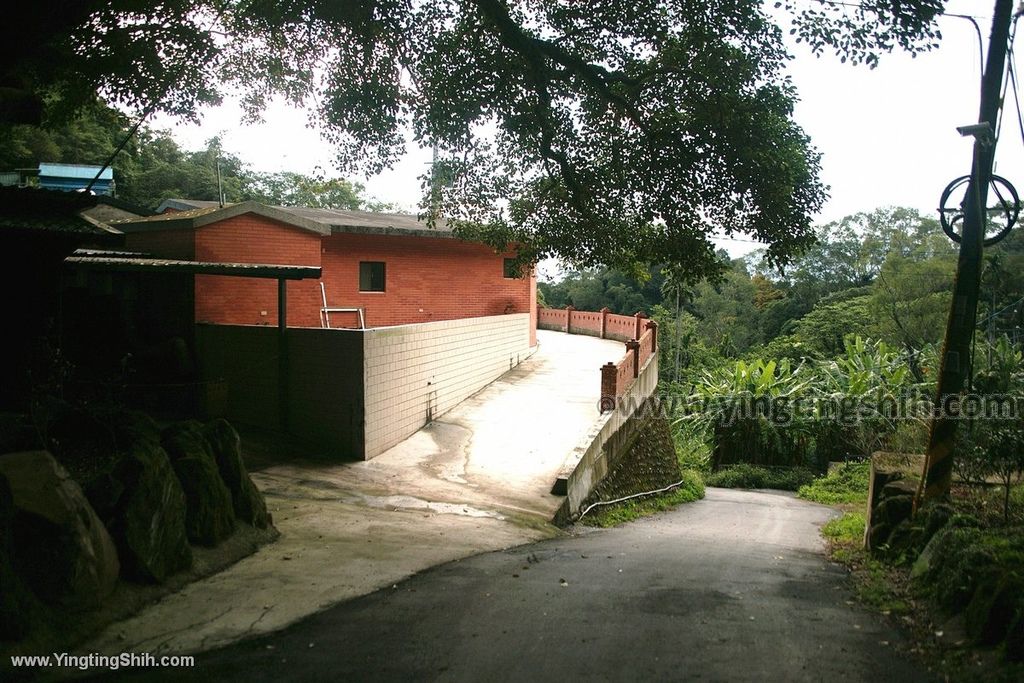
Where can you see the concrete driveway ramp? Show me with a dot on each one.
(477, 479)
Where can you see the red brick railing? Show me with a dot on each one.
(603, 323)
(639, 334)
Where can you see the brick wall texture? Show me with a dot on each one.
(427, 279)
(172, 244)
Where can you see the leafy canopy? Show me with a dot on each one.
(153, 167)
(602, 132)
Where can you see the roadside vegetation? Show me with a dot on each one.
(745, 476)
(956, 587)
(692, 489)
(844, 484)
(792, 380)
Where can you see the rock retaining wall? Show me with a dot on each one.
(147, 495)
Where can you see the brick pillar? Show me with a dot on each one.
(639, 326)
(609, 379)
(633, 346)
(653, 327)
(568, 318)
(604, 321)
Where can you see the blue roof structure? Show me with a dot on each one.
(71, 177)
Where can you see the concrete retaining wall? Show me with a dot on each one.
(359, 392)
(415, 373)
(245, 356)
(606, 442)
(325, 391)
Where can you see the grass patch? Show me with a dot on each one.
(605, 516)
(846, 484)
(744, 476)
(875, 583)
(846, 529)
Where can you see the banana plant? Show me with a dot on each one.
(867, 367)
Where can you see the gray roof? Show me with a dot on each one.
(51, 211)
(133, 264)
(196, 213)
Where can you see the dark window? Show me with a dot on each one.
(510, 269)
(371, 276)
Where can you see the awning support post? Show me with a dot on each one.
(282, 353)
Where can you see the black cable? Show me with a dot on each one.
(146, 112)
(977, 30)
(1007, 78)
(1013, 78)
(858, 5)
(117, 150)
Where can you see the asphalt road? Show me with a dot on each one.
(733, 588)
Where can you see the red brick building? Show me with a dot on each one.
(392, 266)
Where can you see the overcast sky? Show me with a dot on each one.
(887, 136)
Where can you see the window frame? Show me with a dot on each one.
(383, 277)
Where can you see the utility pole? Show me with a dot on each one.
(956, 351)
(435, 184)
(220, 186)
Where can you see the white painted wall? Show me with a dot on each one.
(414, 373)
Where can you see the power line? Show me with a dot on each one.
(146, 112)
(1001, 310)
(977, 30)
(1006, 84)
(857, 5)
(736, 239)
(1012, 58)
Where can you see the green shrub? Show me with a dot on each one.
(963, 557)
(692, 489)
(746, 407)
(847, 483)
(910, 436)
(744, 476)
(692, 448)
(777, 413)
(846, 529)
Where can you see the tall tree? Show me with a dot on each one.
(618, 132)
(286, 188)
(727, 311)
(153, 166)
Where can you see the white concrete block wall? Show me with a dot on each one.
(413, 373)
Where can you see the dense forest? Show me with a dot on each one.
(153, 166)
(884, 275)
(859, 316)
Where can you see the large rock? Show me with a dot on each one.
(149, 520)
(993, 607)
(226, 446)
(17, 604)
(61, 548)
(905, 540)
(892, 475)
(924, 563)
(128, 479)
(1014, 649)
(210, 514)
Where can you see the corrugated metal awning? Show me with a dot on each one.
(260, 270)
